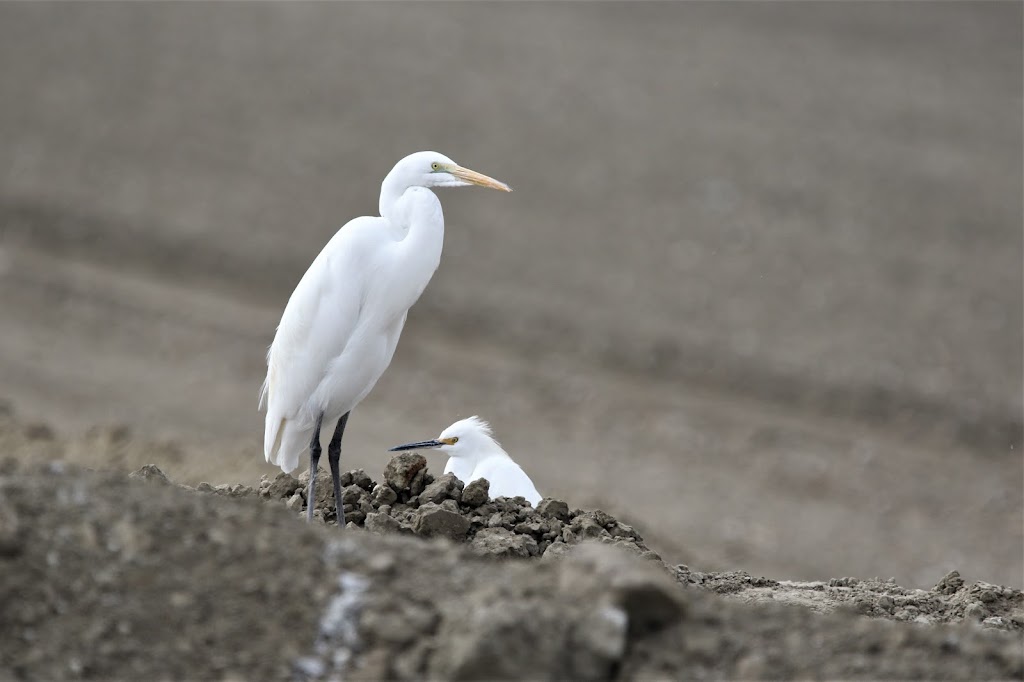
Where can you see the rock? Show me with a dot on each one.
(501, 542)
(444, 488)
(555, 550)
(283, 486)
(534, 527)
(362, 479)
(975, 611)
(621, 530)
(351, 494)
(433, 521)
(553, 508)
(384, 495)
(592, 524)
(295, 502)
(150, 472)
(476, 493)
(381, 524)
(416, 486)
(404, 471)
(950, 583)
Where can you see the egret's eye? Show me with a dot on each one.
(454, 439)
(435, 166)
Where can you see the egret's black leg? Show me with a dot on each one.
(314, 462)
(334, 457)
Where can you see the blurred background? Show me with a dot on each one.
(758, 291)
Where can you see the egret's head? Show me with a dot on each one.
(430, 169)
(466, 438)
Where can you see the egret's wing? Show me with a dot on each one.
(317, 323)
(507, 479)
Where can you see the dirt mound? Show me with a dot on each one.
(113, 578)
(410, 500)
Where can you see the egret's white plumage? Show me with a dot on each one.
(473, 453)
(340, 328)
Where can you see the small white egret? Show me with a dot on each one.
(473, 453)
(340, 328)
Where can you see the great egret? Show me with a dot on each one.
(473, 453)
(339, 330)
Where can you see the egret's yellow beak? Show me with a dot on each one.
(478, 179)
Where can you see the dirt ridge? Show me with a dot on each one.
(143, 578)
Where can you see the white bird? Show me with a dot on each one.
(340, 328)
(473, 453)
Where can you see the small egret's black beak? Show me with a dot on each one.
(418, 446)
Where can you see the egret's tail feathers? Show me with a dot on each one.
(264, 390)
(284, 442)
(272, 437)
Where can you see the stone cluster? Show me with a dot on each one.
(410, 500)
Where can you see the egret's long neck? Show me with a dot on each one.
(417, 213)
(391, 191)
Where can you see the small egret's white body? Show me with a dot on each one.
(461, 467)
(473, 453)
(341, 326)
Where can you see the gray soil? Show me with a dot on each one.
(106, 577)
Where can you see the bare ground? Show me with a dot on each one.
(110, 578)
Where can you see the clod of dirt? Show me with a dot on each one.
(282, 487)
(501, 542)
(383, 524)
(950, 583)
(150, 472)
(406, 474)
(476, 493)
(448, 487)
(434, 521)
(554, 508)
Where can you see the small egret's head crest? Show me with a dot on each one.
(467, 427)
(468, 437)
